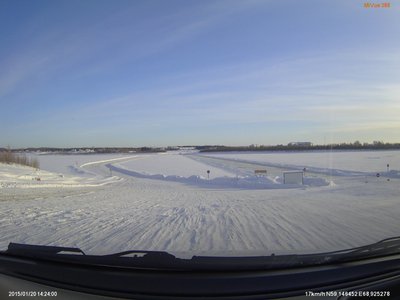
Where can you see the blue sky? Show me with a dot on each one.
(159, 73)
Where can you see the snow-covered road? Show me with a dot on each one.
(142, 213)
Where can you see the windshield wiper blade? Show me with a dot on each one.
(140, 258)
(384, 247)
(25, 249)
(161, 259)
(141, 254)
(29, 250)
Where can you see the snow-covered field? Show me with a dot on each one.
(110, 203)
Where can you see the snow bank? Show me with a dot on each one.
(248, 182)
(230, 161)
(342, 161)
(391, 174)
(74, 164)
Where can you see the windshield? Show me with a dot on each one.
(200, 128)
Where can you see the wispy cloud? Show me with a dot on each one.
(136, 69)
(57, 48)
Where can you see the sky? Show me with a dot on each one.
(163, 73)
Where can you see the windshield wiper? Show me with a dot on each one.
(384, 247)
(27, 250)
(133, 258)
(165, 260)
(40, 250)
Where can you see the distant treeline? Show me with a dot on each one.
(376, 145)
(87, 150)
(341, 146)
(8, 157)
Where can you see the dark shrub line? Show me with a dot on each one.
(9, 157)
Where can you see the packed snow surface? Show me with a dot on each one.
(179, 165)
(110, 203)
